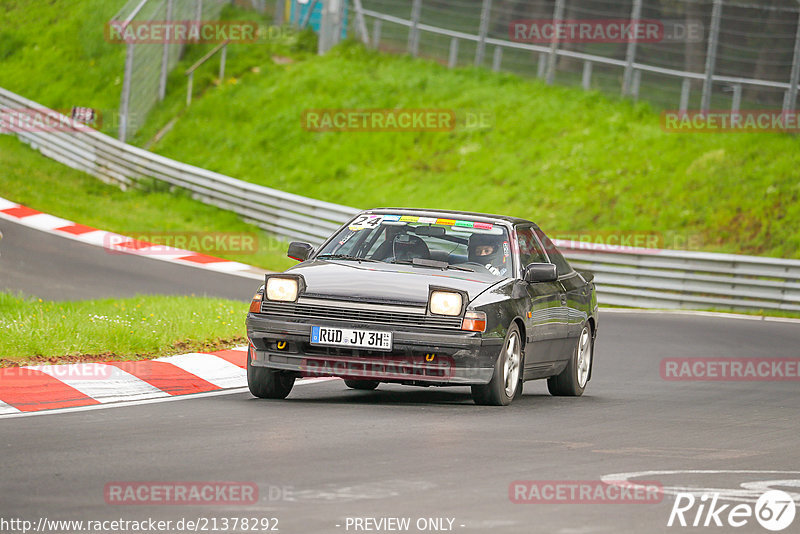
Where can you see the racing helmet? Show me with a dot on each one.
(487, 249)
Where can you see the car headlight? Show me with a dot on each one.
(446, 303)
(282, 289)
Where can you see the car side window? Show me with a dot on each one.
(529, 249)
(562, 267)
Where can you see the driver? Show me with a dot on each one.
(489, 251)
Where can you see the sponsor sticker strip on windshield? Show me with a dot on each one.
(373, 221)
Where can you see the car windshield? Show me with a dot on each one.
(434, 242)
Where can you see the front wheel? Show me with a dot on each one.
(507, 378)
(572, 380)
(267, 383)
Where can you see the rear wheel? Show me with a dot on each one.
(267, 383)
(361, 384)
(506, 381)
(572, 380)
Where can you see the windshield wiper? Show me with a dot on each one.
(436, 264)
(345, 257)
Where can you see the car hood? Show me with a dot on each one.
(384, 282)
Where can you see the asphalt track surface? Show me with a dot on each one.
(328, 453)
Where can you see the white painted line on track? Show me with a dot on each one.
(151, 401)
(719, 315)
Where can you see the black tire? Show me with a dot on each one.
(267, 383)
(496, 392)
(570, 382)
(366, 385)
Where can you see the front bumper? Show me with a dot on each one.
(418, 356)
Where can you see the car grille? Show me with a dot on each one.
(372, 315)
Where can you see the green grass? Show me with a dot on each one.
(113, 329)
(54, 53)
(573, 161)
(41, 183)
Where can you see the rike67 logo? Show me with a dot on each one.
(774, 510)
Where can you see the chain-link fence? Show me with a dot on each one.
(702, 54)
(148, 64)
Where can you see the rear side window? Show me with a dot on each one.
(562, 267)
(529, 249)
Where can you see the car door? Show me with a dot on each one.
(546, 323)
(573, 297)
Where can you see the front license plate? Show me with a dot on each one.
(345, 337)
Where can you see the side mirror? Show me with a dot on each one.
(299, 251)
(540, 272)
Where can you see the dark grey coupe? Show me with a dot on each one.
(426, 298)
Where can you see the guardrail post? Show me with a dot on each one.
(452, 60)
(737, 98)
(162, 81)
(125, 99)
(630, 55)
(413, 31)
(790, 100)
(586, 79)
(483, 29)
(686, 87)
(636, 83)
(497, 58)
(558, 16)
(376, 34)
(541, 67)
(711, 56)
(361, 24)
(222, 63)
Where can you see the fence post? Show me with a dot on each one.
(413, 32)
(330, 28)
(125, 100)
(483, 29)
(162, 81)
(198, 11)
(558, 15)
(636, 83)
(452, 60)
(711, 56)
(790, 102)
(190, 83)
(280, 11)
(630, 55)
(686, 87)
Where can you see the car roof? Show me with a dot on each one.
(470, 214)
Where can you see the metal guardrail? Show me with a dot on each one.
(626, 276)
